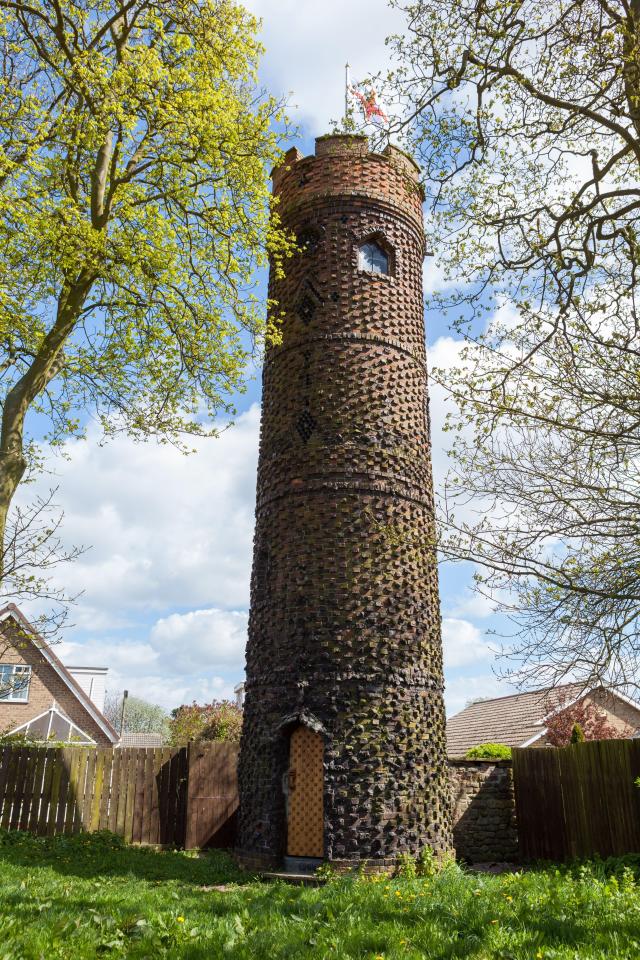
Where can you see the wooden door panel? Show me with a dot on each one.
(305, 835)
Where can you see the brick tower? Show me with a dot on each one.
(343, 749)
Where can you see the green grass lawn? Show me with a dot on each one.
(89, 896)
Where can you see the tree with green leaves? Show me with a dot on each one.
(577, 734)
(135, 146)
(568, 721)
(140, 716)
(526, 117)
(218, 720)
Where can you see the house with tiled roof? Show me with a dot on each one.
(42, 699)
(519, 719)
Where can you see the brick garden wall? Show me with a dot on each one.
(484, 812)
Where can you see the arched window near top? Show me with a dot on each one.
(373, 259)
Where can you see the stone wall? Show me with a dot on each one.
(484, 813)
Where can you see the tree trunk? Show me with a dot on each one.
(35, 379)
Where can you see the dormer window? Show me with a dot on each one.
(373, 259)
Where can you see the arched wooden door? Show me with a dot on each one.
(305, 821)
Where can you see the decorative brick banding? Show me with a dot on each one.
(344, 631)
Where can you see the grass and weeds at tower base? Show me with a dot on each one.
(91, 896)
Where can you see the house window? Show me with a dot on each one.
(373, 259)
(14, 682)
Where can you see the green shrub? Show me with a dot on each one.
(577, 734)
(218, 720)
(406, 867)
(489, 751)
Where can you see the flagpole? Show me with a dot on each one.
(346, 93)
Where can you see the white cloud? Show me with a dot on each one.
(168, 692)
(444, 354)
(181, 660)
(463, 643)
(435, 279)
(165, 530)
(474, 604)
(460, 690)
(202, 639)
(308, 43)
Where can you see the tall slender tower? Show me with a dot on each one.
(343, 746)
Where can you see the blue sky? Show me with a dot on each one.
(166, 579)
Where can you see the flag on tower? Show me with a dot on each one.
(373, 112)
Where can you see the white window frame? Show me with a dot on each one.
(15, 694)
(372, 267)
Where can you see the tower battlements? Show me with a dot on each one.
(344, 166)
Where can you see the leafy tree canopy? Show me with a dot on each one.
(525, 115)
(218, 720)
(570, 722)
(134, 207)
(140, 716)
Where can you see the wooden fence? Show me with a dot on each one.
(143, 795)
(578, 801)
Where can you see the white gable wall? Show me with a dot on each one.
(93, 681)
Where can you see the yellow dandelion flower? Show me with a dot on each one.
(180, 919)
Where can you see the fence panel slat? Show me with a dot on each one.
(122, 791)
(5, 760)
(28, 788)
(138, 796)
(177, 770)
(131, 792)
(63, 799)
(163, 777)
(10, 786)
(83, 763)
(150, 826)
(38, 796)
(103, 820)
(24, 756)
(54, 794)
(73, 819)
(114, 792)
(578, 801)
(93, 817)
(43, 814)
(89, 782)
